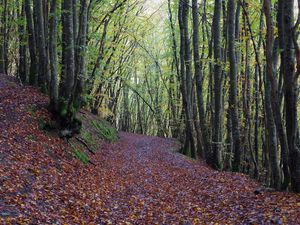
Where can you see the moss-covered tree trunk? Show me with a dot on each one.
(66, 111)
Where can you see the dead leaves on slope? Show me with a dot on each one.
(135, 181)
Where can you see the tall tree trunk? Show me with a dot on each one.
(273, 150)
(31, 44)
(291, 91)
(199, 79)
(233, 104)
(275, 94)
(65, 108)
(75, 20)
(41, 46)
(4, 33)
(22, 68)
(174, 43)
(217, 136)
(189, 85)
(53, 56)
(2, 39)
(80, 72)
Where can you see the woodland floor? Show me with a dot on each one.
(135, 181)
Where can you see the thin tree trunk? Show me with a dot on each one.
(199, 80)
(41, 46)
(22, 68)
(53, 56)
(188, 80)
(2, 40)
(31, 44)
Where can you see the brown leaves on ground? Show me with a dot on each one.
(135, 181)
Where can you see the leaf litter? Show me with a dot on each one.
(137, 180)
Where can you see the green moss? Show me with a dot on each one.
(81, 156)
(105, 130)
(88, 138)
(63, 107)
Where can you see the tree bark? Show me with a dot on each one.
(217, 136)
(22, 68)
(41, 46)
(2, 39)
(187, 80)
(273, 150)
(80, 53)
(65, 107)
(291, 92)
(31, 44)
(199, 80)
(233, 104)
(53, 56)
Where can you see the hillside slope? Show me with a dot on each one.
(135, 180)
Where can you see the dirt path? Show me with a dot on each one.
(135, 181)
(154, 184)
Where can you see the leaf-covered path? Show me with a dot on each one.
(138, 180)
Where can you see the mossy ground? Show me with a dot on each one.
(94, 132)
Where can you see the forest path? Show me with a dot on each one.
(138, 180)
(151, 183)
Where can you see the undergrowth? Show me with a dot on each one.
(105, 131)
(89, 140)
(81, 156)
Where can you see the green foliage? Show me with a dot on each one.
(81, 156)
(105, 130)
(87, 99)
(88, 138)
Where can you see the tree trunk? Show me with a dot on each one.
(2, 39)
(188, 78)
(22, 68)
(199, 79)
(291, 92)
(31, 44)
(41, 46)
(53, 56)
(80, 53)
(65, 106)
(233, 104)
(273, 150)
(217, 136)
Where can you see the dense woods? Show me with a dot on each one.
(220, 76)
